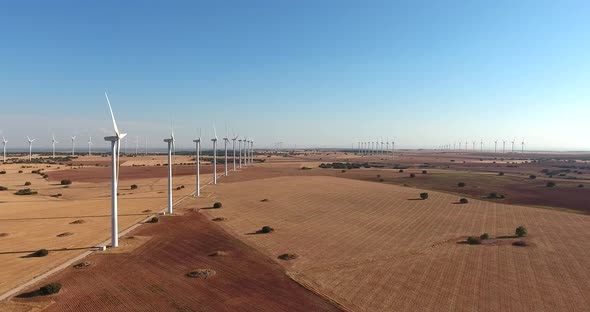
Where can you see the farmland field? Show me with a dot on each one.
(376, 247)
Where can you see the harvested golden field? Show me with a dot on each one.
(377, 247)
(70, 224)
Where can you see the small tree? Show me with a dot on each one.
(40, 253)
(461, 184)
(27, 183)
(52, 288)
(532, 177)
(521, 231)
(266, 229)
(580, 185)
(401, 171)
(424, 172)
(463, 201)
(424, 196)
(472, 240)
(551, 184)
(484, 236)
(412, 175)
(133, 186)
(66, 182)
(217, 205)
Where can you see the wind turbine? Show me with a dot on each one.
(503, 146)
(473, 146)
(522, 151)
(392, 150)
(115, 147)
(89, 145)
(513, 140)
(73, 140)
(481, 146)
(234, 150)
(251, 150)
(214, 156)
(53, 141)
(240, 154)
(496, 146)
(30, 147)
(4, 148)
(225, 141)
(246, 147)
(170, 142)
(198, 164)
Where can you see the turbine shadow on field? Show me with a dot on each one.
(29, 252)
(78, 217)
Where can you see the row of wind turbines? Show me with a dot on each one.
(246, 157)
(370, 148)
(459, 147)
(53, 142)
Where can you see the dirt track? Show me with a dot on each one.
(152, 277)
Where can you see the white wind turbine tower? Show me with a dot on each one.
(481, 146)
(234, 150)
(136, 145)
(503, 146)
(522, 151)
(225, 141)
(240, 153)
(513, 140)
(53, 141)
(246, 147)
(466, 145)
(198, 164)
(30, 148)
(496, 146)
(115, 148)
(4, 141)
(251, 150)
(170, 142)
(73, 144)
(393, 150)
(89, 145)
(214, 140)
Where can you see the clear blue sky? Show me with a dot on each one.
(311, 73)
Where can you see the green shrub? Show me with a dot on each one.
(461, 184)
(133, 186)
(472, 240)
(424, 172)
(463, 201)
(66, 182)
(401, 170)
(217, 205)
(52, 288)
(266, 229)
(484, 236)
(154, 220)
(27, 183)
(20, 171)
(26, 191)
(424, 196)
(3, 188)
(3, 172)
(551, 184)
(521, 231)
(40, 253)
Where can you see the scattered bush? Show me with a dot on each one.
(463, 201)
(133, 186)
(288, 256)
(532, 177)
(378, 176)
(49, 289)
(495, 195)
(551, 184)
(217, 205)
(500, 173)
(424, 196)
(218, 219)
(20, 171)
(26, 191)
(27, 183)
(461, 184)
(424, 172)
(343, 171)
(579, 185)
(3, 172)
(66, 182)
(484, 236)
(521, 231)
(154, 220)
(264, 200)
(520, 244)
(40, 253)
(381, 180)
(472, 240)
(401, 170)
(3, 188)
(412, 175)
(266, 229)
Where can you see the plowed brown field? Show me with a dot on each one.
(375, 247)
(152, 277)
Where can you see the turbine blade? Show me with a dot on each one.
(112, 115)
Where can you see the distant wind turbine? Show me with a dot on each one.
(198, 164)
(214, 140)
(234, 138)
(30, 148)
(89, 145)
(4, 141)
(225, 141)
(53, 141)
(73, 144)
(170, 142)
